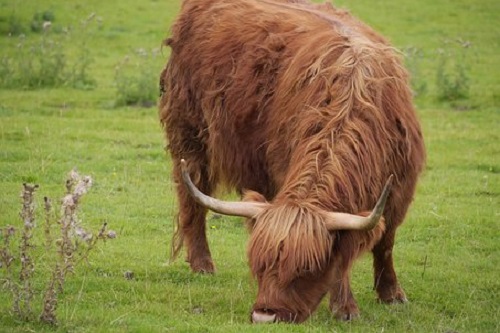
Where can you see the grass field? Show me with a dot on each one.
(447, 253)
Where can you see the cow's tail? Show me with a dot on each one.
(177, 240)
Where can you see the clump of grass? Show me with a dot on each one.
(452, 75)
(43, 60)
(13, 25)
(136, 79)
(72, 246)
(452, 70)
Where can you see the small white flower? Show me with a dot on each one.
(46, 25)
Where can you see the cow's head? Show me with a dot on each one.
(289, 254)
(290, 249)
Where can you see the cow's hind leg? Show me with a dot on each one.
(191, 229)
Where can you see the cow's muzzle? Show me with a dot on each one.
(263, 317)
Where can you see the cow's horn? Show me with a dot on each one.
(244, 209)
(343, 221)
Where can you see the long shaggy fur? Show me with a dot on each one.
(303, 104)
(291, 239)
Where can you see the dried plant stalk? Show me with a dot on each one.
(7, 259)
(68, 255)
(47, 225)
(27, 264)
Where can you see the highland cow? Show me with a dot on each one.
(306, 112)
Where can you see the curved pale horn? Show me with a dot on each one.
(343, 221)
(232, 208)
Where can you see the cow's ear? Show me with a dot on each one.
(252, 196)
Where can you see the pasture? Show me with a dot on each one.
(447, 253)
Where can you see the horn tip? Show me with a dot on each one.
(390, 179)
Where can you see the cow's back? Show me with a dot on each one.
(256, 83)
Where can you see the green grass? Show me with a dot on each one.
(447, 253)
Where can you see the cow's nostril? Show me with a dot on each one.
(263, 316)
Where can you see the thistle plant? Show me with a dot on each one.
(48, 223)
(135, 79)
(7, 259)
(27, 263)
(72, 246)
(72, 233)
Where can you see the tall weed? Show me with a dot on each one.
(73, 244)
(453, 71)
(450, 65)
(414, 58)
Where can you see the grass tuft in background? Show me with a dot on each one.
(136, 79)
(46, 59)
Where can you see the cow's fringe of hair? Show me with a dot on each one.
(292, 239)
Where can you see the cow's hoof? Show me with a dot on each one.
(346, 313)
(396, 297)
(346, 316)
(203, 266)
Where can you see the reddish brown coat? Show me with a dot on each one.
(312, 109)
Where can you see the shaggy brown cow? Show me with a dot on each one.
(310, 108)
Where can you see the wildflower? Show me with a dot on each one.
(46, 25)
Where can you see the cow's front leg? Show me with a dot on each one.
(342, 302)
(348, 247)
(386, 282)
(191, 228)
